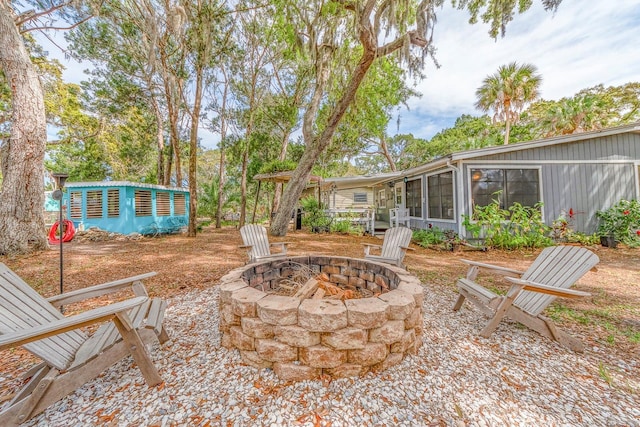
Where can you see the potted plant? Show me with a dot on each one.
(620, 223)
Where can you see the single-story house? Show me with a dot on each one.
(582, 173)
(352, 192)
(126, 207)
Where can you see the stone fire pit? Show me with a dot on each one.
(303, 339)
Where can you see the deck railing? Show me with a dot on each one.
(363, 217)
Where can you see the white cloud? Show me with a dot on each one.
(585, 43)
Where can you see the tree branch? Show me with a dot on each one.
(31, 15)
(26, 30)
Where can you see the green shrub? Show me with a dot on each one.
(435, 236)
(314, 216)
(428, 237)
(562, 230)
(346, 227)
(622, 221)
(515, 228)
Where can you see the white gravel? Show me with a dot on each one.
(515, 378)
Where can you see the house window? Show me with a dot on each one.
(94, 204)
(414, 197)
(113, 203)
(515, 185)
(75, 200)
(179, 207)
(143, 202)
(440, 195)
(163, 203)
(360, 198)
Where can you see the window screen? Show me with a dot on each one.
(440, 195)
(360, 198)
(514, 185)
(163, 203)
(414, 197)
(143, 202)
(94, 204)
(113, 203)
(179, 207)
(75, 199)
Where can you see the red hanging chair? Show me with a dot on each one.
(69, 232)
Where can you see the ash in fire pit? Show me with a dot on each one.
(317, 315)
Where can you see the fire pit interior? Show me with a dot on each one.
(320, 315)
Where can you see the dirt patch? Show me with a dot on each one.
(610, 318)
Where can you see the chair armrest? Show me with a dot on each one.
(56, 327)
(372, 245)
(280, 243)
(500, 270)
(546, 289)
(98, 290)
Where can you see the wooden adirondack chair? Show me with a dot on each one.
(256, 241)
(70, 357)
(554, 271)
(394, 246)
(399, 216)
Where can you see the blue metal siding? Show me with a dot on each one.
(127, 222)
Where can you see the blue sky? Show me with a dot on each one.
(585, 43)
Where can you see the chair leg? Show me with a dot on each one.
(138, 351)
(459, 302)
(163, 336)
(501, 311)
(34, 398)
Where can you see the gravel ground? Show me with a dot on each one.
(515, 378)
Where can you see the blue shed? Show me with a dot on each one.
(127, 207)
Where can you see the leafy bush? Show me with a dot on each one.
(515, 228)
(436, 236)
(622, 221)
(562, 230)
(346, 223)
(428, 237)
(276, 166)
(346, 227)
(314, 215)
(582, 238)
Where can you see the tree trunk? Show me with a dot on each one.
(507, 131)
(223, 135)
(221, 182)
(22, 154)
(243, 186)
(167, 169)
(385, 152)
(316, 146)
(277, 195)
(159, 138)
(193, 155)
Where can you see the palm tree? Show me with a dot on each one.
(582, 113)
(508, 91)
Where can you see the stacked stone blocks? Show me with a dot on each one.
(306, 339)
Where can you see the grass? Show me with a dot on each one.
(607, 318)
(605, 374)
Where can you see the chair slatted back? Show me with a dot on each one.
(256, 236)
(21, 307)
(394, 239)
(559, 266)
